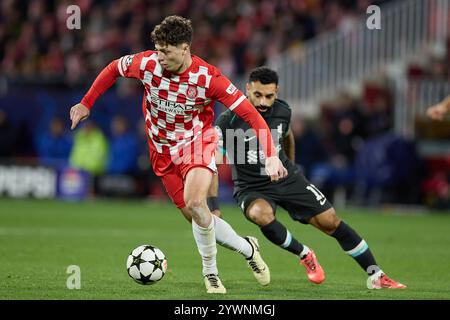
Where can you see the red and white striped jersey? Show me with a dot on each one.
(178, 107)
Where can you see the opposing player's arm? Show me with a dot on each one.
(213, 196)
(222, 124)
(127, 66)
(438, 111)
(289, 145)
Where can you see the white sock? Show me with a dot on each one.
(228, 238)
(304, 252)
(206, 244)
(376, 274)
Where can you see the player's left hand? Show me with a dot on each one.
(275, 169)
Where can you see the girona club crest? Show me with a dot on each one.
(191, 92)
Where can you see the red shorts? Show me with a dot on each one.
(173, 169)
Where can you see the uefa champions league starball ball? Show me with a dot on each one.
(146, 264)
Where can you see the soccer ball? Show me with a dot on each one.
(146, 264)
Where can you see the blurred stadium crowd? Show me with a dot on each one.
(234, 35)
(46, 69)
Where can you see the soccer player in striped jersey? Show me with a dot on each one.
(180, 90)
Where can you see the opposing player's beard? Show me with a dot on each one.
(262, 109)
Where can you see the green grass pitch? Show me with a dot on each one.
(40, 239)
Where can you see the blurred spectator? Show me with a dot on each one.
(323, 171)
(309, 148)
(388, 171)
(143, 160)
(149, 184)
(439, 69)
(437, 190)
(23, 146)
(90, 149)
(345, 129)
(53, 146)
(344, 133)
(379, 118)
(7, 135)
(436, 185)
(123, 149)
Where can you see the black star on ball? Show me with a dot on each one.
(137, 261)
(158, 264)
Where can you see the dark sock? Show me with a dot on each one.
(356, 247)
(279, 235)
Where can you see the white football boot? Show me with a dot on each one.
(213, 284)
(256, 263)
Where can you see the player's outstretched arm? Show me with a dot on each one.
(289, 145)
(103, 82)
(438, 111)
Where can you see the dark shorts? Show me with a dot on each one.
(295, 194)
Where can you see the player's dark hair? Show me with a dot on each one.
(264, 75)
(173, 30)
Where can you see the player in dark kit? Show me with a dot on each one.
(258, 197)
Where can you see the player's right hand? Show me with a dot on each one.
(78, 113)
(275, 169)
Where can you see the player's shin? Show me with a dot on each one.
(228, 238)
(277, 233)
(356, 247)
(206, 244)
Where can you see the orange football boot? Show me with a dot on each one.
(313, 268)
(380, 280)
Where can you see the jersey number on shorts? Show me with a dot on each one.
(319, 195)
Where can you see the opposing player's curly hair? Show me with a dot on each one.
(173, 30)
(264, 75)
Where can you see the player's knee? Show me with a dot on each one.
(331, 222)
(260, 215)
(195, 203)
